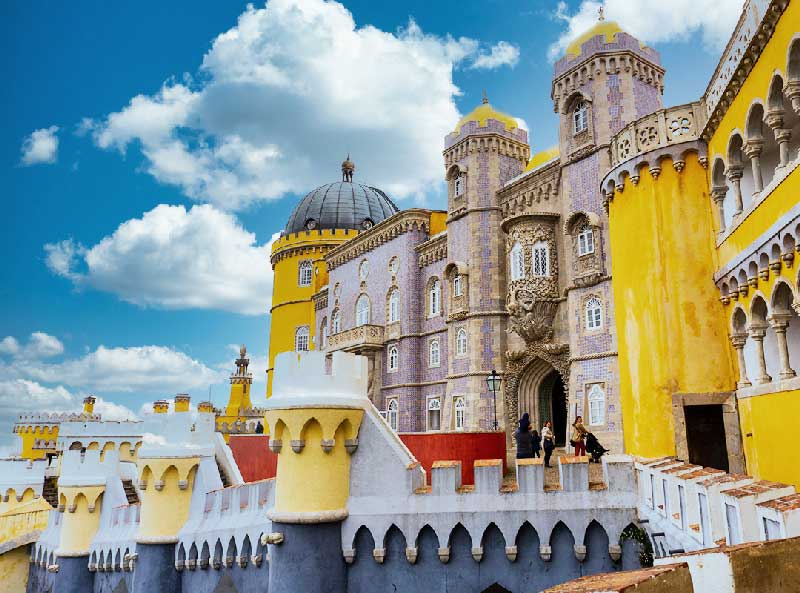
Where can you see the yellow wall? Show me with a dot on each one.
(670, 325)
(313, 481)
(14, 570)
(164, 511)
(769, 433)
(23, 519)
(239, 398)
(291, 304)
(28, 436)
(79, 527)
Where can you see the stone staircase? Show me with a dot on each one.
(130, 492)
(222, 476)
(50, 491)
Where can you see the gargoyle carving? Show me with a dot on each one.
(531, 317)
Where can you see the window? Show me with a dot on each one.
(433, 353)
(435, 298)
(301, 335)
(362, 310)
(517, 262)
(460, 407)
(393, 358)
(580, 117)
(394, 265)
(597, 405)
(541, 259)
(394, 305)
(594, 313)
(458, 289)
(323, 331)
(336, 322)
(391, 414)
(434, 413)
(458, 186)
(363, 270)
(585, 240)
(304, 273)
(461, 342)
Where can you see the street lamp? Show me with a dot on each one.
(493, 381)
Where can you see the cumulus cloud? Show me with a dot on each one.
(172, 258)
(39, 345)
(286, 93)
(502, 54)
(654, 21)
(41, 147)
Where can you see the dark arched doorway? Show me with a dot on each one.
(553, 405)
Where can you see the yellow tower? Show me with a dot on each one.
(240, 416)
(328, 216)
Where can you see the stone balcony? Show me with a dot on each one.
(357, 339)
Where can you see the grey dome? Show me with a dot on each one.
(341, 205)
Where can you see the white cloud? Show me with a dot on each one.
(654, 21)
(174, 259)
(9, 345)
(502, 54)
(41, 147)
(39, 345)
(286, 93)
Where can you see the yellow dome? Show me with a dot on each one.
(607, 28)
(485, 112)
(542, 157)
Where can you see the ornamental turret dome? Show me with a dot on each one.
(484, 112)
(341, 205)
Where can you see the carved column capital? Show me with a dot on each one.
(734, 172)
(718, 193)
(753, 147)
(774, 118)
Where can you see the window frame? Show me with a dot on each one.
(363, 298)
(593, 314)
(434, 346)
(462, 332)
(363, 270)
(435, 298)
(536, 249)
(305, 268)
(459, 413)
(517, 261)
(393, 411)
(300, 332)
(596, 394)
(585, 240)
(392, 358)
(458, 288)
(336, 321)
(324, 333)
(434, 404)
(580, 117)
(393, 314)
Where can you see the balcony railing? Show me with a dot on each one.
(357, 339)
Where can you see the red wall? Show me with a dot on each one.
(257, 462)
(466, 447)
(252, 455)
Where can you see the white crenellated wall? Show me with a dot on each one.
(20, 475)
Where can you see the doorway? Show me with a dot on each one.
(705, 436)
(553, 406)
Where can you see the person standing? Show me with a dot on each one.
(537, 443)
(579, 437)
(548, 442)
(524, 438)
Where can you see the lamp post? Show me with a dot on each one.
(493, 381)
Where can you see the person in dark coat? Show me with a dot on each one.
(537, 443)
(524, 438)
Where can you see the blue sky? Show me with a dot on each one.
(134, 254)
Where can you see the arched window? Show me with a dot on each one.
(393, 358)
(594, 313)
(435, 298)
(434, 413)
(434, 353)
(323, 332)
(336, 322)
(391, 414)
(517, 262)
(585, 240)
(580, 117)
(541, 259)
(458, 186)
(304, 273)
(597, 405)
(301, 336)
(362, 310)
(460, 407)
(461, 342)
(363, 270)
(458, 289)
(394, 305)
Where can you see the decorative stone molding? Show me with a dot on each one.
(471, 143)
(379, 554)
(411, 555)
(615, 552)
(531, 190)
(241, 561)
(351, 445)
(546, 553)
(257, 559)
(317, 251)
(444, 555)
(275, 445)
(477, 554)
(511, 553)
(158, 485)
(183, 484)
(298, 445)
(357, 339)
(580, 552)
(432, 250)
(403, 222)
(327, 445)
(179, 565)
(321, 299)
(191, 564)
(349, 556)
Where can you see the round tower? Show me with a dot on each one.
(328, 216)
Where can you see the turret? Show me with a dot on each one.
(88, 404)
(182, 401)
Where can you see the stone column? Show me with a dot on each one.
(734, 174)
(752, 149)
(780, 323)
(792, 92)
(718, 196)
(774, 120)
(757, 332)
(738, 342)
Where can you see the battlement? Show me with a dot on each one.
(300, 379)
(89, 468)
(55, 418)
(115, 540)
(19, 475)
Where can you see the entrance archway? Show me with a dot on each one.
(543, 396)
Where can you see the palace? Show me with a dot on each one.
(641, 274)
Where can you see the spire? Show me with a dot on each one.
(485, 98)
(242, 362)
(348, 168)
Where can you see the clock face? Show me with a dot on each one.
(363, 270)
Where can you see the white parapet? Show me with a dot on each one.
(300, 379)
(20, 475)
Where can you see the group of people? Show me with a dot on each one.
(530, 442)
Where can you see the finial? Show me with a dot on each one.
(242, 351)
(348, 167)
(485, 98)
(600, 16)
